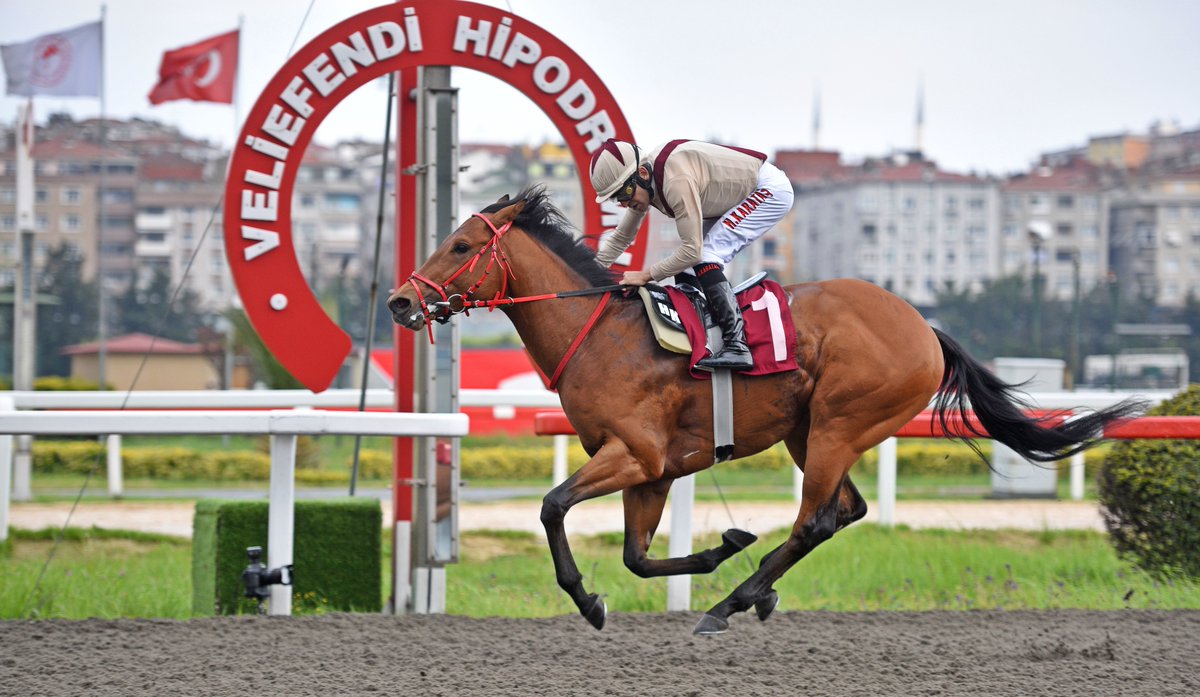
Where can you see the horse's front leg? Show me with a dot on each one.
(612, 469)
(643, 511)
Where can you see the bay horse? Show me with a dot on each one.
(868, 363)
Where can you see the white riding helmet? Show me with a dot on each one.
(612, 165)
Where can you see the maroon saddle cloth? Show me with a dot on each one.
(770, 332)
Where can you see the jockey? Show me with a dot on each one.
(722, 198)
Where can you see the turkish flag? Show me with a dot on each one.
(202, 72)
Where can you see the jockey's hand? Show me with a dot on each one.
(636, 278)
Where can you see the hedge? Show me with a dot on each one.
(1150, 496)
(336, 553)
(914, 457)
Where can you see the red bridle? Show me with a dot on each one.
(441, 311)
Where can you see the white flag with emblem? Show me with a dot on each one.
(60, 64)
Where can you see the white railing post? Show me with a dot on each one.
(1077, 477)
(281, 517)
(887, 482)
(561, 443)
(797, 484)
(683, 496)
(116, 478)
(6, 465)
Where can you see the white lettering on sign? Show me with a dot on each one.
(270, 181)
(502, 33)
(551, 74)
(296, 96)
(256, 206)
(578, 101)
(323, 76)
(414, 29)
(265, 241)
(541, 73)
(288, 116)
(347, 56)
(283, 126)
(387, 39)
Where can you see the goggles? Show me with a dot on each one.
(626, 192)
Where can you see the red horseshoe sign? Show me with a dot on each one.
(267, 155)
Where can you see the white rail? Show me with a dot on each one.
(282, 426)
(263, 399)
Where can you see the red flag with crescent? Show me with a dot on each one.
(201, 72)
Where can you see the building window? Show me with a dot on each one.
(8, 195)
(70, 223)
(1066, 201)
(976, 203)
(41, 196)
(8, 222)
(71, 196)
(41, 222)
(1064, 229)
(1064, 256)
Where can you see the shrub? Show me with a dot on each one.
(1150, 496)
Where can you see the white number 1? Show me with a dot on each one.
(770, 303)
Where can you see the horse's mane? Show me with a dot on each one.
(547, 224)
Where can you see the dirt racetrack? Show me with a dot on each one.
(935, 653)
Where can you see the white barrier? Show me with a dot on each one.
(283, 426)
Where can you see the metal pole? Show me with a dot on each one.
(24, 301)
(101, 294)
(1114, 295)
(1076, 321)
(1036, 331)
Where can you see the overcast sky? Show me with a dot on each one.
(1003, 80)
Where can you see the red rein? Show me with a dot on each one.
(435, 312)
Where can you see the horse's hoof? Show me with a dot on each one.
(596, 611)
(740, 539)
(764, 606)
(709, 625)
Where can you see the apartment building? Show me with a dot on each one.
(1155, 237)
(900, 222)
(1054, 219)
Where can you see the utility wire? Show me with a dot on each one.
(366, 359)
(137, 375)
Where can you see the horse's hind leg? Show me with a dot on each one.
(851, 505)
(828, 459)
(643, 512)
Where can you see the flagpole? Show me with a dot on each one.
(237, 84)
(102, 324)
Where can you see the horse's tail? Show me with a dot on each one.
(966, 383)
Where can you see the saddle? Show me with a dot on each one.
(680, 318)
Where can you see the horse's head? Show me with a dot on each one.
(469, 265)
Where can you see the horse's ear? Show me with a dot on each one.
(509, 213)
(502, 199)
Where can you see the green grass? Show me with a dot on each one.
(106, 574)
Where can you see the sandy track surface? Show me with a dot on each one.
(936, 653)
(593, 517)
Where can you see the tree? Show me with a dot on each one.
(148, 308)
(71, 319)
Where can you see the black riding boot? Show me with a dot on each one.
(735, 355)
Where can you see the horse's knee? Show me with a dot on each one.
(553, 508)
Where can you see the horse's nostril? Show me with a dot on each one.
(398, 304)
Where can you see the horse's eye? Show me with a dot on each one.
(461, 248)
